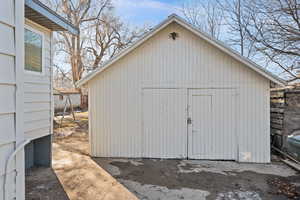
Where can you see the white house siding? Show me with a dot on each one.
(11, 68)
(37, 93)
(188, 62)
(60, 103)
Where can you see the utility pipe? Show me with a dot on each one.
(8, 162)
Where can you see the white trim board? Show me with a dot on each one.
(34, 30)
(175, 18)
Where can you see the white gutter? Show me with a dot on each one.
(8, 162)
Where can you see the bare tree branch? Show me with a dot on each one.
(275, 31)
(205, 15)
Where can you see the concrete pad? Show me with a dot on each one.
(154, 192)
(156, 179)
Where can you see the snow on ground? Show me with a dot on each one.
(229, 168)
(154, 192)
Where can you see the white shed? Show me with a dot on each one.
(26, 106)
(177, 93)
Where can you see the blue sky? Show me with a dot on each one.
(152, 12)
(149, 12)
(139, 13)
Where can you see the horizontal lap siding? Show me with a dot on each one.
(37, 94)
(36, 107)
(7, 124)
(6, 150)
(187, 62)
(7, 40)
(7, 73)
(7, 96)
(11, 189)
(7, 12)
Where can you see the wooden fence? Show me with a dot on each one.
(285, 114)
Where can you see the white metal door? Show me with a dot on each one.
(212, 132)
(164, 123)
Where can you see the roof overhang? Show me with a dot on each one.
(44, 16)
(218, 44)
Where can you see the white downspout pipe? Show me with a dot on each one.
(8, 162)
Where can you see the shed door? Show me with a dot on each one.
(212, 132)
(164, 123)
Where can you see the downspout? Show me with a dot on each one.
(8, 162)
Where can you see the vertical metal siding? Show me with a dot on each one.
(212, 133)
(187, 62)
(164, 123)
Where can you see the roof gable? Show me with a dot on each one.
(174, 18)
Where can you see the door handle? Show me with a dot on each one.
(189, 121)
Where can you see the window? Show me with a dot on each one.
(33, 51)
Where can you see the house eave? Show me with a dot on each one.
(44, 16)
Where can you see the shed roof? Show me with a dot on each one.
(41, 14)
(175, 18)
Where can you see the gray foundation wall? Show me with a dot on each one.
(38, 152)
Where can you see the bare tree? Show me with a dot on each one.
(62, 77)
(275, 30)
(101, 33)
(80, 13)
(108, 36)
(205, 15)
(237, 21)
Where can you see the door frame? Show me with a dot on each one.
(188, 114)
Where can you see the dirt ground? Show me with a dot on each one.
(42, 183)
(76, 176)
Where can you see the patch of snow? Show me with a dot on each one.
(231, 168)
(238, 195)
(135, 162)
(40, 187)
(155, 192)
(113, 170)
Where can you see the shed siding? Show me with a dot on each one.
(37, 93)
(187, 62)
(11, 132)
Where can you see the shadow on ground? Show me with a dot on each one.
(78, 176)
(42, 183)
(81, 177)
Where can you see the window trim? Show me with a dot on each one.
(30, 28)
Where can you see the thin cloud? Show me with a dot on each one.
(149, 4)
(142, 12)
